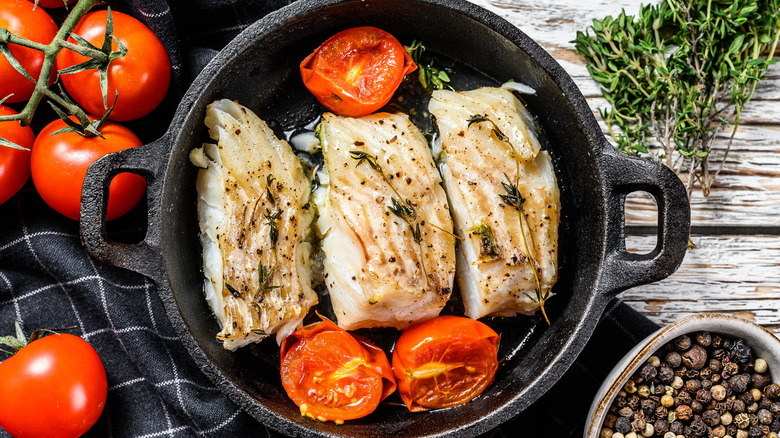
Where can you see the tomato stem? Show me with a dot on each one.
(50, 52)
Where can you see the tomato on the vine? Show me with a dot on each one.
(140, 78)
(14, 163)
(36, 25)
(332, 375)
(59, 164)
(356, 71)
(444, 362)
(54, 387)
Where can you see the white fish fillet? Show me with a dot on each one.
(487, 140)
(252, 229)
(378, 275)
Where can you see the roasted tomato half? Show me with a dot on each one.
(332, 375)
(356, 71)
(444, 362)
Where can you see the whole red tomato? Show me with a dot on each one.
(141, 77)
(52, 3)
(19, 17)
(55, 387)
(14, 163)
(332, 375)
(59, 164)
(356, 71)
(444, 362)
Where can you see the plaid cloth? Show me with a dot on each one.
(155, 389)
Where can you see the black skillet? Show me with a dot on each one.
(260, 70)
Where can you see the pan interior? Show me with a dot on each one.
(260, 70)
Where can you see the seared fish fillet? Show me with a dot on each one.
(489, 148)
(254, 220)
(386, 227)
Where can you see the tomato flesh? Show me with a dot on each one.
(356, 71)
(14, 163)
(333, 376)
(36, 25)
(444, 362)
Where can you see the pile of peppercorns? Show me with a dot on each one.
(702, 385)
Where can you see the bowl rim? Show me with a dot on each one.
(763, 342)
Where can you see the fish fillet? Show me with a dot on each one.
(385, 224)
(255, 221)
(489, 148)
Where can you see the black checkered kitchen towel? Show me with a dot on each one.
(155, 389)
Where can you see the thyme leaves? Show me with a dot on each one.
(489, 249)
(430, 77)
(678, 74)
(264, 277)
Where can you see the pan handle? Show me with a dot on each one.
(622, 175)
(144, 257)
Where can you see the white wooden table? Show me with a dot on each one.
(735, 267)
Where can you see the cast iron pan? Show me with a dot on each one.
(260, 70)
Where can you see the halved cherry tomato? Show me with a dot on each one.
(14, 163)
(36, 25)
(332, 375)
(356, 71)
(444, 362)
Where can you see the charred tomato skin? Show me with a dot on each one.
(444, 362)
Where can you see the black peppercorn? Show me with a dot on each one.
(661, 427)
(673, 359)
(719, 354)
(693, 386)
(740, 383)
(695, 357)
(648, 372)
(764, 403)
(661, 412)
(747, 398)
(623, 425)
(665, 374)
(775, 426)
(731, 429)
(683, 412)
(739, 352)
(753, 419)
(626, 413)
(760, 381)
(704, 396)
(648, 407)
(699, 428)
(711, 418)
(714, 365)
(696, 406)
(704, 339)
(687, 431)
(638, 425)
(775, 409)
(715, 378)
(756, 431)
(729, 369)
(772, 391)
(633, 402)
(676, 427)
(717, 341)
(682, 342)
(739, 407)
(765, 417)
(706, 384)
(683, 398)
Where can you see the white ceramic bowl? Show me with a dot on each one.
(763, 343)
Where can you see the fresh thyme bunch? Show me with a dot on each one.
(681, 72)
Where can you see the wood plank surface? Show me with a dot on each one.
(735, 267)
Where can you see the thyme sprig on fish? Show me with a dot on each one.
(479, 118)
(489, 249)
(514, 199)
(400, 206)
(681, 72)
(264, 277)
(430, 77)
